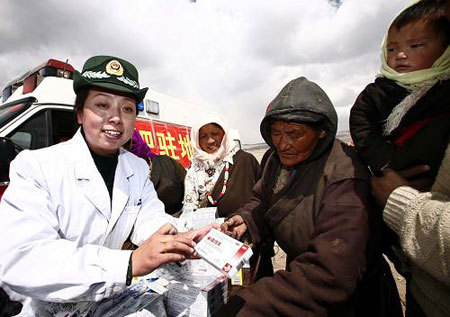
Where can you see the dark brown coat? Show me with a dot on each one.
(243, 176)
(321, 218)
(322, 225)
(168, 178)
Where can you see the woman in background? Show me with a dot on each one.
(221, 174)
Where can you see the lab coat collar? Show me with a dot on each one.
(92, 183)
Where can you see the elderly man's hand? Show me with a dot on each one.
(234, 227)
(383, 186)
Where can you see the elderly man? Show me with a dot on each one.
(314, 200)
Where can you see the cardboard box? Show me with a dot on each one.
(192, 291)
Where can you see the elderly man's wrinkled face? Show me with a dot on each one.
(294, 142)
(210, 137)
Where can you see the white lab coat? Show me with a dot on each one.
(60, 236)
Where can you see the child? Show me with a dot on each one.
(403, 118)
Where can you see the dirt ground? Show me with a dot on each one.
(279, 260)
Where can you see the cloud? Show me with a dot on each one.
(231, 55)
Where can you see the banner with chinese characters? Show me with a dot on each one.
(167, 139)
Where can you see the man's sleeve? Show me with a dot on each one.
(422, 221)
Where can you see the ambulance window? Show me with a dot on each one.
(33, 134)
(63, 125)
(10, 111)
(22, 139)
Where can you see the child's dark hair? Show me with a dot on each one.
(430, 11)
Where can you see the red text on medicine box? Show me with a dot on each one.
(224, 253)
(167, 139)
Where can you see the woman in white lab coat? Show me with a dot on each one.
(70, 207)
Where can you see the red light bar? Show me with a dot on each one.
(29, 84)
(62, 65)
(51, 62)
(31, 79)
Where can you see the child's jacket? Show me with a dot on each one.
(420, 138)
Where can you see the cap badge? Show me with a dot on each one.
(114, 68)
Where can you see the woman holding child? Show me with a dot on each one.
(314, 200)
(419, 220)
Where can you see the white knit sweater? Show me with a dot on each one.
(422, 221)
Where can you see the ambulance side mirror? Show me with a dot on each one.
(8, 151)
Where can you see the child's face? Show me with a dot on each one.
(414, 46)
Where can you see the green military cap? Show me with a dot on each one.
(111, 73)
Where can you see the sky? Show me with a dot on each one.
(231, 56)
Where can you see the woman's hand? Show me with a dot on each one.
(164, 246)
(413, 175)
(234, 227)
(383, 186)
(197, 234)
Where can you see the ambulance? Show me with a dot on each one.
(37, 111)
